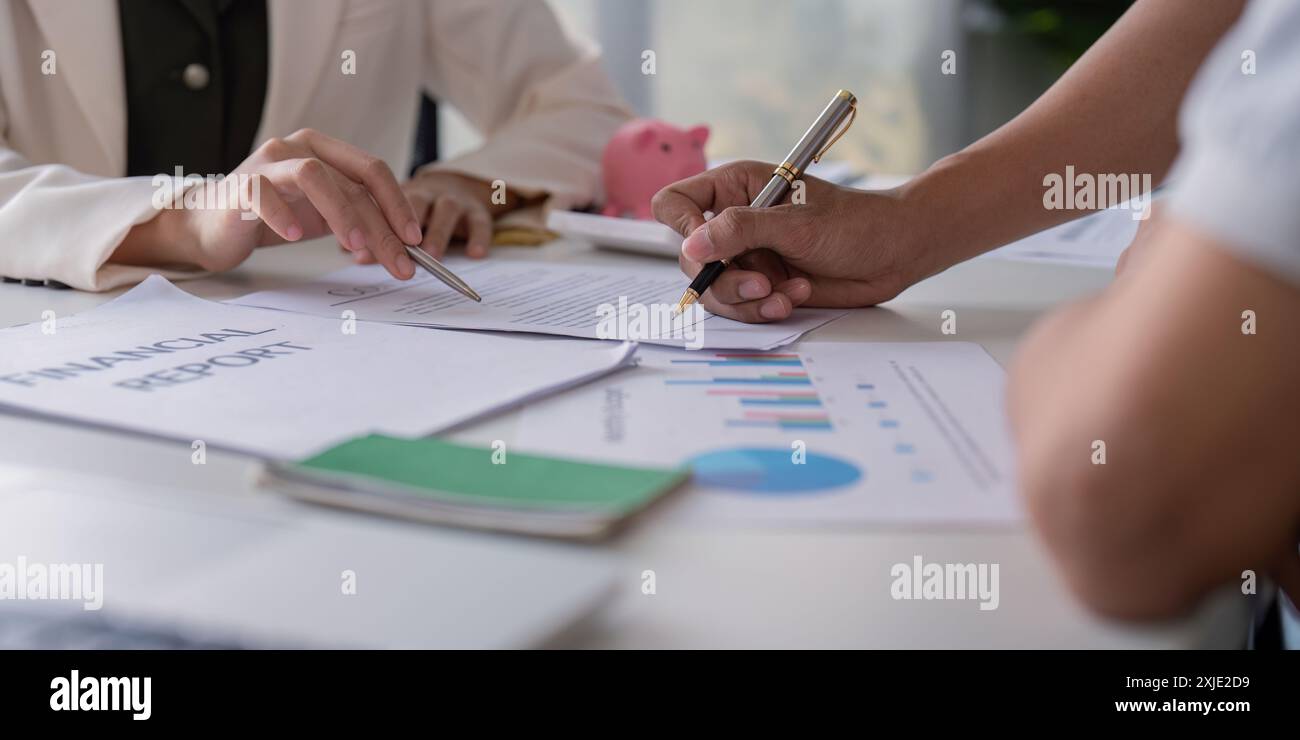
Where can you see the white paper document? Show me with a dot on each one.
(1095, 240)
(541, 297)
(162, 362)
(822, 433)
(627, 234)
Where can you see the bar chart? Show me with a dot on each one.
(827, 432)
(770, 390)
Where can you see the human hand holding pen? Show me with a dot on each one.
(840, 248)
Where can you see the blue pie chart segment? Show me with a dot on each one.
(772, 471)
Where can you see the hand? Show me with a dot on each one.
(840, 248)
(306, 185)
(451, 205)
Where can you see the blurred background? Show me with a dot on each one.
(758, 71)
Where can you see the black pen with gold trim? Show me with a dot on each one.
(816, 141)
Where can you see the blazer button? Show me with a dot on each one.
(195, 76)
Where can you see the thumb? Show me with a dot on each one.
(677, 210)
(738, 230)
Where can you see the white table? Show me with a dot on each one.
(721, 587)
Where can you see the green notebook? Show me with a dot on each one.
(437, 481)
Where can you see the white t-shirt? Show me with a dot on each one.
(1238, 177)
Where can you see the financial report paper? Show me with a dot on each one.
(274, 384)
(823, 432)
(538, 297)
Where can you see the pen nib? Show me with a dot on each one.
(688, 298)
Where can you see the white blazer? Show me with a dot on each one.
(539, 97)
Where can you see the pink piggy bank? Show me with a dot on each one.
(644, 156)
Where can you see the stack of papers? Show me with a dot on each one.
(632, 303)
(162, 362)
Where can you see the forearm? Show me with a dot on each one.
(1114, 112)
(1197, 477)
(164, 240)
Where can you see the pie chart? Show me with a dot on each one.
(772, 471)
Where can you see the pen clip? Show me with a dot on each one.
(853, 113)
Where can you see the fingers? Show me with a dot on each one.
(673, 207)
(682, 204)
(738, 286)
(446, 215)
(775, 307)
(361, 258)
(271, 208)
(382, 243)
(738, 230)
(752, 296)
(347, 209)
(370, 171)
(311, 178)
(479, 237)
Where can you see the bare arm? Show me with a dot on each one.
(1201, 477)
(1114, 111)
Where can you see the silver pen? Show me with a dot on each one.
(437, 269)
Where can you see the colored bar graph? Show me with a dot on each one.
(756, 393)
(785, 415)
(819, 425)
(770, 398)
(751, 355)
(739, 363)
(784, 420)
(747, 359)
(760, 380)
(755, 397)
(780, 402)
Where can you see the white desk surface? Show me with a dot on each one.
(726, 587)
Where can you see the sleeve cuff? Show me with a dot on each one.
(1251, 209)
